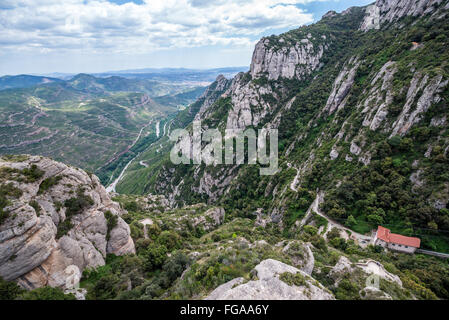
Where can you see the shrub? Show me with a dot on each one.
(334, 233)
(291, 279)
(111, 221)
(46, 293)
(338, 243)
(77, 205)
(7, 191)
(73, 206)
(170, 240)
(175, 266)
(310, 230)
(154, 257)
(9, 290)
(33, 173)
(36, 207)
(350, 221)
(48, 183)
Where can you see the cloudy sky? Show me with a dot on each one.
(43, 36)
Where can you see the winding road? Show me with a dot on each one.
(111, 187)
(363, 240)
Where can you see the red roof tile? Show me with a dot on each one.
(385, 235)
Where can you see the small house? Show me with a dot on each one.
(396, 242)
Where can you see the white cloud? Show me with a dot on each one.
(92, 26)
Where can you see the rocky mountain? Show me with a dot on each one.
(54, 217)
(360, 101)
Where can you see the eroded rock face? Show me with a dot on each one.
(342, 86)
(30, 251)
(212, 93)
(301, 255)
(343, 266)
(430, 88)
(385, 11)
(248, 105)
(287, 61)
(270, 287)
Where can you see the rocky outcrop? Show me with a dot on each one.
(211, 219)
(371, 19)
(248, 104)
(342, 86)
(379, 97)
(301, 256)
(430, 90)
(285, 60)
(270, 287)
(37, 242)
(342, 267)
(386, 11)
(211, 94)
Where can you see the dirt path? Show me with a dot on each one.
(296, 179)
(143, 164)
(363, 240)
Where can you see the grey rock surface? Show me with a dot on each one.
(30, 252)
(270, 287)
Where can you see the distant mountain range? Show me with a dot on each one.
(161, 74)
(24, 81)
(85, 121)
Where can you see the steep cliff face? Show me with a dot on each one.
(387, 11)
(54, 216)
(212, 93)
(285, 59)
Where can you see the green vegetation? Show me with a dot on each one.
(111, 220)
(74, 206)
(7, 191)
(9, 290)
(291, 279)
(48, 183)
(173, 249)
(46, 293)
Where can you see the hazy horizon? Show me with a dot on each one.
(98, 36)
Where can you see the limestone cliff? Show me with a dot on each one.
(57, 217)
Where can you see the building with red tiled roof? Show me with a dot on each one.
(397, 242)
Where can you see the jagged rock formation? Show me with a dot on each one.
(210, 95)
(58, 218)
(270, 287)
(387, 11)
(286, 60)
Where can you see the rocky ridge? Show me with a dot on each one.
(61, 217)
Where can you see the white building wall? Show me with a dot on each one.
(401, 248)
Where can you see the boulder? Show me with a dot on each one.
(270, 287)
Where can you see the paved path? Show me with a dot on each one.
(362, 239)
(143, 164)
(296, 179)
(158, 129)
(433, 253)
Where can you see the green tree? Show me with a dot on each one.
(46, 293)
